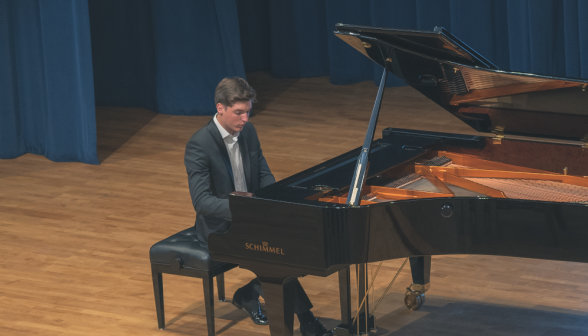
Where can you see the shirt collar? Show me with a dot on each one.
(223, 131)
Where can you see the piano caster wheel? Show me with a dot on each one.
(413, 299)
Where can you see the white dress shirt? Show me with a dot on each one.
(234, 156)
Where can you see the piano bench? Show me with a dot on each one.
(183, 254)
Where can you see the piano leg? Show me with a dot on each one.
(345, 295)
(420, 268)
(279, 302)
(345, 299)
(347, 327)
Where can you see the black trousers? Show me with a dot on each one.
(253, 290)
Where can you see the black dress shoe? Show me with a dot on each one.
(314, 328)
(253, 308)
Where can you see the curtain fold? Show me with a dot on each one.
(11, 139)
(191, 53)
(298, 41)
(46, 89)
(582, 36)
(166, 56)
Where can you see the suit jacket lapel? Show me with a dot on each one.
(246, 162)
(222, 148)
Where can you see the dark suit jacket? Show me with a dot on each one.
(210, 175)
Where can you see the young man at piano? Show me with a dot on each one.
(225, 156)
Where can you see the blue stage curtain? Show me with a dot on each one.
(166, 56)
(538, 36)
(46, 87)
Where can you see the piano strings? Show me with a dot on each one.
(454, 175)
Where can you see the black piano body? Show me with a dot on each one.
(302, 226)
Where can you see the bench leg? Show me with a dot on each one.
(220, 286)
(158, 293)
(208, 285)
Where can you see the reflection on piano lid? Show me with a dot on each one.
(511, 104)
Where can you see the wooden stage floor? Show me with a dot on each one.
(74, 238)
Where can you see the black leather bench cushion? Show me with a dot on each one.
(186, 246)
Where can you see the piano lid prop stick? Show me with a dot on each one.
(363, 159)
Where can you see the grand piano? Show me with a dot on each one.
(415, 194)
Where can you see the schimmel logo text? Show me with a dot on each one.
(264, 247)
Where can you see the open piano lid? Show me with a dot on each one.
(498, 103)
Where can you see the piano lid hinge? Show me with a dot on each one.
(498, 135)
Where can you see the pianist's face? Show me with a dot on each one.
(233, 118)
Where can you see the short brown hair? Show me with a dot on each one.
(232, 90)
